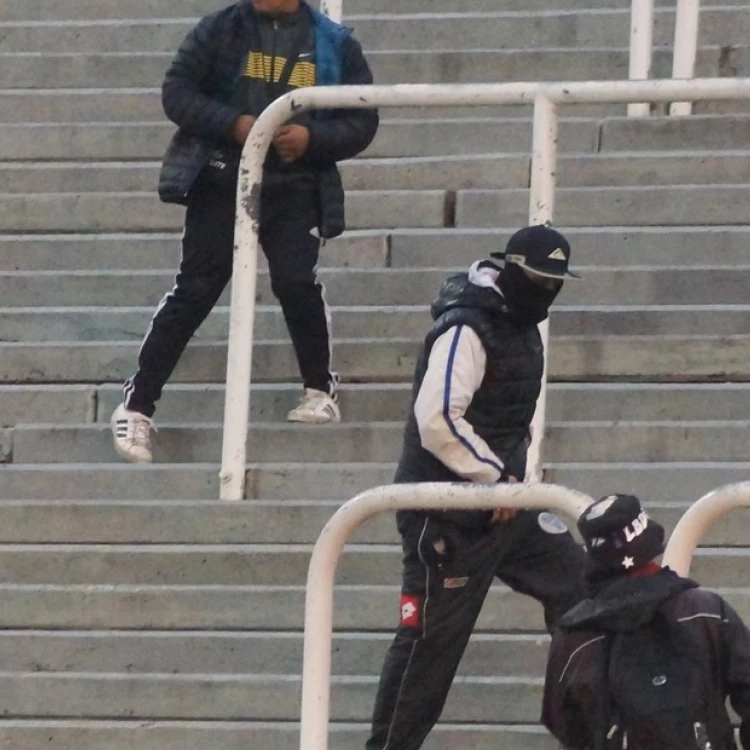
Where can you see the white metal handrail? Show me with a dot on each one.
(684, 49)
(545, 97)
(641, 43)
(698, 519)
(316, 670)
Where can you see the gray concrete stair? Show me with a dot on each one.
(572, 358)
(669, 482)
(604, 442)
(409, 136)
(129, 324)
(372, 287)
(605, 206)
(236, 735)
(430, 172)
(258, 565)
(566, 402)
(682, 247)
(588, 28)
(141, 212)
(29, 70)
(250, 522)
(238, 653)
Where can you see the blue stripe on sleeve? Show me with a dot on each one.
(446, 406)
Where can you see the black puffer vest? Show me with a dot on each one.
(502, 408)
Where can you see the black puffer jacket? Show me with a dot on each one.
(574, 674)
(199, 94)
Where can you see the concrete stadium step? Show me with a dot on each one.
(597, 206)
(275, 608)
(130, 324)
(602, 285)
(160, 696)
(419, 173)
(228, 607)
(146, 69)
(682, 247)
(144, 104)
(572, 358)
(381, 32)
(139, 141)
(96, 212)
(197, 481)
(665, 482)
(249, 522)
(39, 10)
(482, 170)
(664, 133)
(235, 653)
(132, 141)
(380, 441)
(267, 565)
(347, 443)
(18, 252)
(568, 402)
(238, 735)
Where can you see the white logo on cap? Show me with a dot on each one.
(601, 508)
(557, 254)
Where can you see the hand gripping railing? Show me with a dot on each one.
(545, 97)
(698, 519)
(316, 670)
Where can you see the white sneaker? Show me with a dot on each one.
(131, 432)
(315, 407)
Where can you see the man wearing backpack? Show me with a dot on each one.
(649, 659)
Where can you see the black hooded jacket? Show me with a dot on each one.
(574, 676)
(214, 79)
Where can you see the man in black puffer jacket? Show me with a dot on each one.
(649, 659)
(229, 68)
(476, 383)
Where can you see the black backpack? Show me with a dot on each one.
(660, 693)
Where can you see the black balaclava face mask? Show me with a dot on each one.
(528, 303)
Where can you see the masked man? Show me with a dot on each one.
(476, 384)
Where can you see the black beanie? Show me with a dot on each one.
(619, 536)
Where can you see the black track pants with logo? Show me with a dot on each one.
(442, 595)
(287, 216)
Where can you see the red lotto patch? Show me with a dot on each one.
(410, 608)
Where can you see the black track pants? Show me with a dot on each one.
(447, 573)
(287, 216)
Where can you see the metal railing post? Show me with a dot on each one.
(641, 43)
(541, 210)
(698, 519)
(242, 304)
(316, 671)
(333, 9)
(685, 48)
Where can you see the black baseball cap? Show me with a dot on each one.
(541, 250)
(619, 536)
